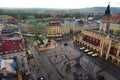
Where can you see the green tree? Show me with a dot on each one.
(68, 16)
(111, 32)
(118, 32)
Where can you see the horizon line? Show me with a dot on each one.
(49, 8)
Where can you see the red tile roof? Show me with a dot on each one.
(8, 45)
(54, 24)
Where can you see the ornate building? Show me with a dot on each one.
(100, 43)
(56, 29)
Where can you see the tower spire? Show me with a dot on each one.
(107, 11)
(105, 24)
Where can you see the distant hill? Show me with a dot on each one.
(100, 9)
(50, 10)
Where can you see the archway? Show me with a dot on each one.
(75, 41)
(80, 44)
(104, 56)
(110, 58)
(119, 63)
(85, 46)
(88, 47)
(115, 61)
(91, 48)
(94, 50)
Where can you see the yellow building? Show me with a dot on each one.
(54, 29)
(5, 17)
(76, 28)
(1, 27)
(115, 27)
(99, 44)
(31, 27)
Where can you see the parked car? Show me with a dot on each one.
(82, 48)
(29, 54)
(94, 55)
(90, 53)
(86, 50)
(59, 39)
(42, 78)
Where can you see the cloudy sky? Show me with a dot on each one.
(57, 3)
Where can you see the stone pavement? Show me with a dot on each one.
(58, 63)
(60, 60)
(45, 67)
(33, 69)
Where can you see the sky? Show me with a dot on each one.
(59, 4)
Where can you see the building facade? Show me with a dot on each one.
(116, 18)
(37, 27)
(100, 42)
(55, 29)
(103, 46)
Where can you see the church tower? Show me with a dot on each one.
(105, 22)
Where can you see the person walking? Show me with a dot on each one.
(56, 56)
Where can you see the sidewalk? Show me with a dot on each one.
(34, 69)
(23, 63)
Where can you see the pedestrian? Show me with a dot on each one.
(50, 72)
(66, 56)
(56, 56)
(66, 70)
(62, 67)
(49, 75)
(62, 57)
(31, 77)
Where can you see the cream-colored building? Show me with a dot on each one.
(1, 28)
(31, 27)
(65, 30)
(5, 17)
(100, 44)
(55, 29)
(115, 27)
(76, 28)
